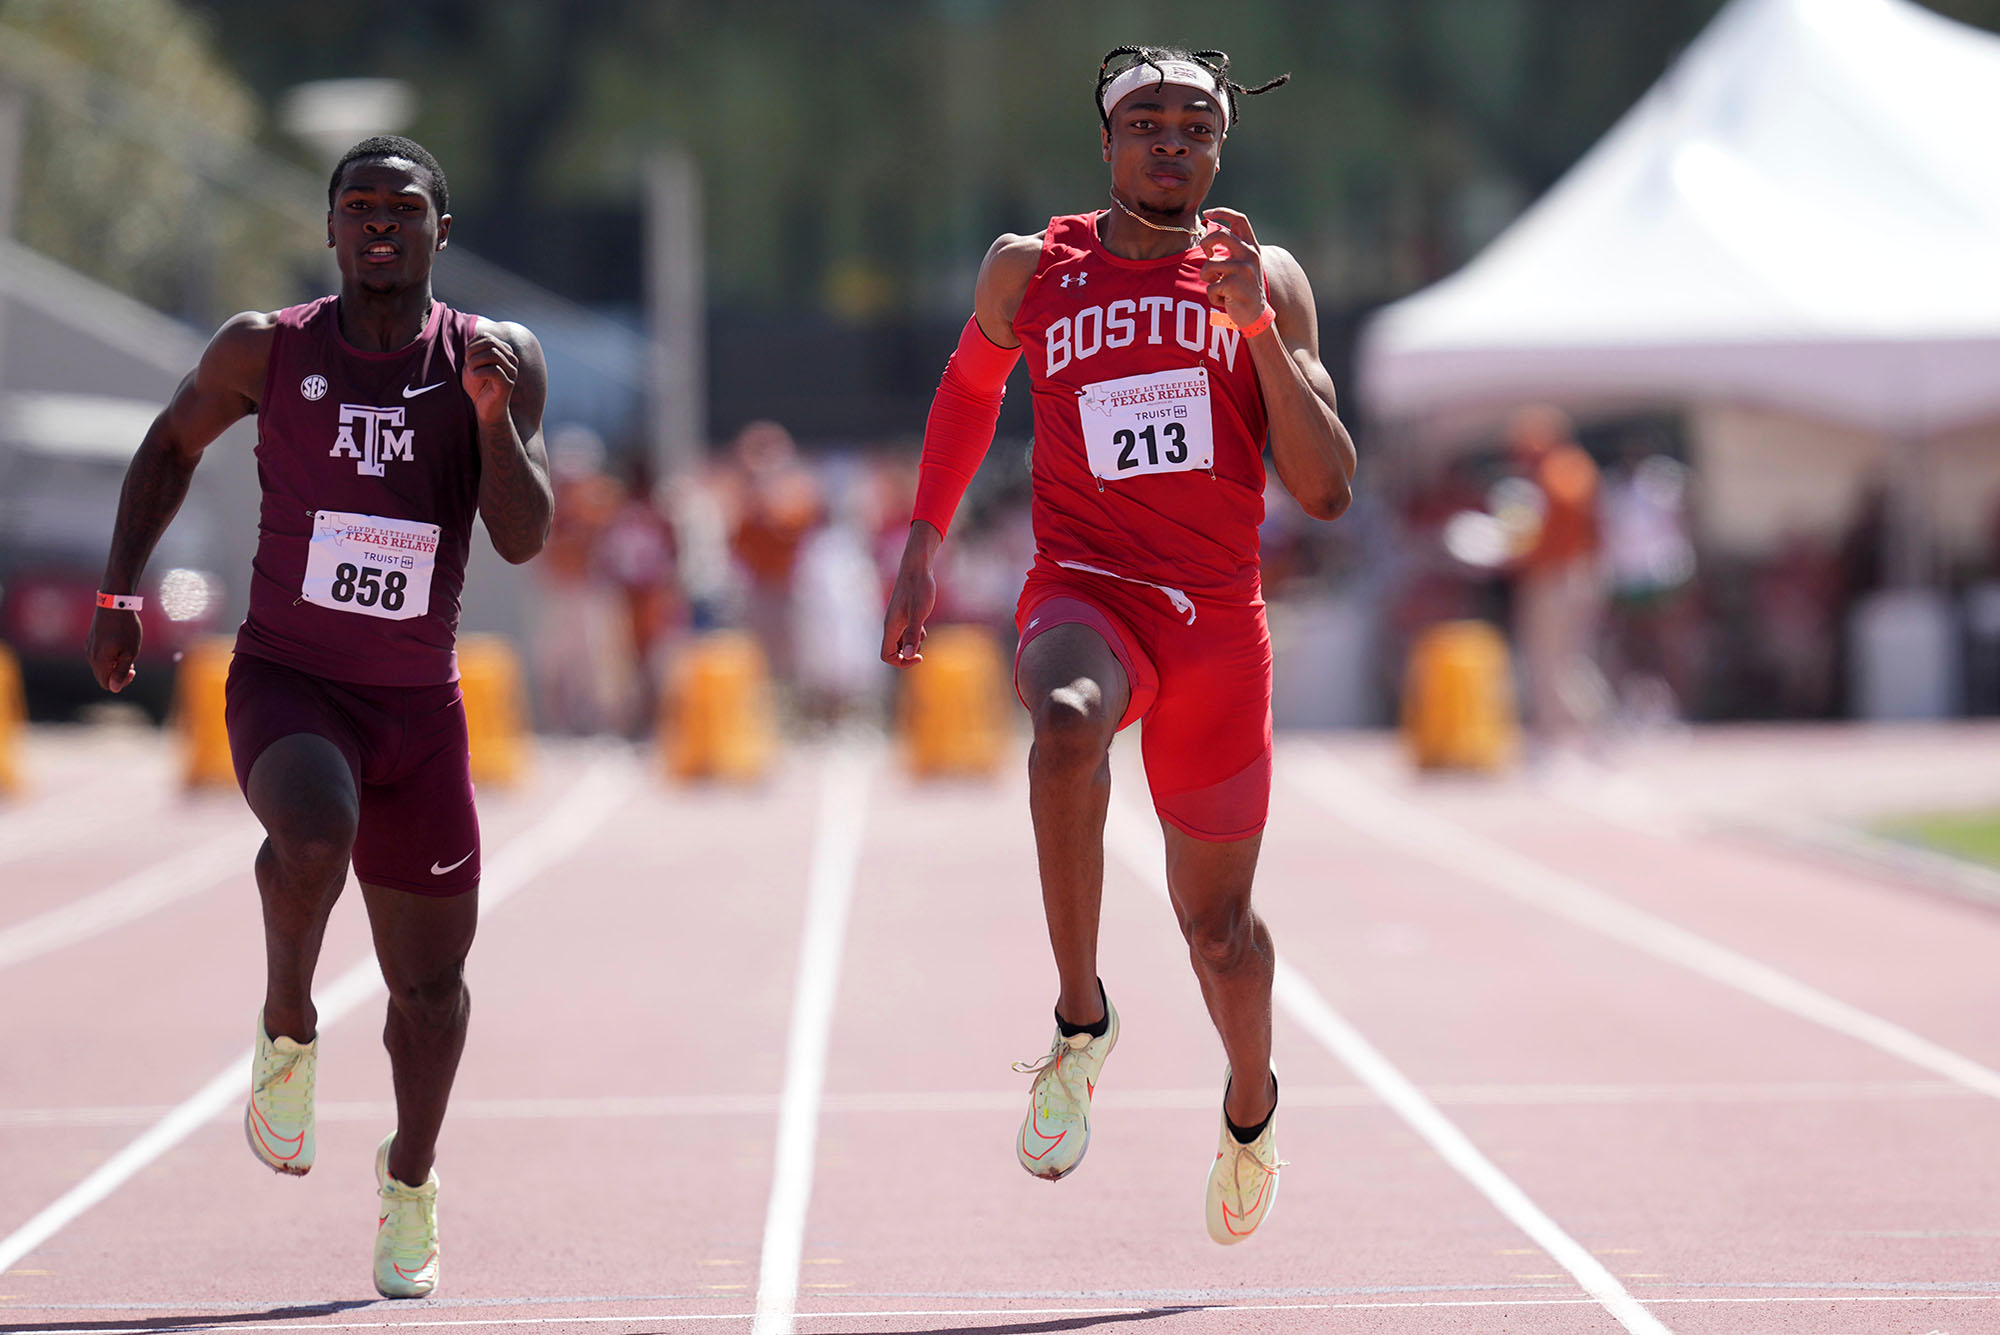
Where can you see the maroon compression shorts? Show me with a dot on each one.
(405, 747)
(1204, 691)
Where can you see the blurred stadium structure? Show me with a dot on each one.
(842, 206)
(595, 361)
(1790, 239)
(61, 333)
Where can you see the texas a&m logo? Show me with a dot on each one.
(380, 441)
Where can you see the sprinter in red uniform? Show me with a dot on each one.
(385, 422)
(1165, 346)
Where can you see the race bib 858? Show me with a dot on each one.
(370, 565)
(1156, 423)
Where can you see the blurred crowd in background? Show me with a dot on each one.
(162, 164)
(1583, 543)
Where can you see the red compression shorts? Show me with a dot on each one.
(1204, 691)
(405, 747)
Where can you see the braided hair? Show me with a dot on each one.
(1121, 58)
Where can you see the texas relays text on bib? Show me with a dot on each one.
(1141, 424)
(370, 565)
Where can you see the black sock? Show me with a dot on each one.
(1098, 1030)
(1246, 1134)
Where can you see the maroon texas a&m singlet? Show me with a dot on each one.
(369, 463)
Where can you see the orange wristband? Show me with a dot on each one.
(1251, 330)
(120, 602)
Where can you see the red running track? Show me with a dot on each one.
(740, 1062)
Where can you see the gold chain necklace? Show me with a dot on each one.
(1193, 234)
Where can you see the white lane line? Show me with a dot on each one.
(189, 872)
(635, 1318)
(662, 1106)
(1138, 846)
(836, 857)
(1930, 869)
(590, 802)
(1632, 804)
(1408, 828)
(74, 814)
(910, 1314)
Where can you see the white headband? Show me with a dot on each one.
(1185, 73)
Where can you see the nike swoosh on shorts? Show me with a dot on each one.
(440, 871)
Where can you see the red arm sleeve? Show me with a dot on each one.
(960, 428)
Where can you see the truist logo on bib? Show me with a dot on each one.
(1155, 321)
(383, 437)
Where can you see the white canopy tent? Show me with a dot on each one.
(1802, 215)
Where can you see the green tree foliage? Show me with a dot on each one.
(859, 154)
(131, 112)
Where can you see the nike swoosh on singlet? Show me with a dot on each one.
(439, 871)
(410, 393)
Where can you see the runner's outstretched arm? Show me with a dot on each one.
(1309, 444)
(223, 387)
(508, 383)
(957, 436)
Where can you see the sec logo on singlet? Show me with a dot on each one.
(313, 387)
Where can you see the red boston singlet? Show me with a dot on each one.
(1149, 423)
(370, 469)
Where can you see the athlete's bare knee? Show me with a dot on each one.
(1223, 938)
(436, 999)
(1072, 730)
(303, 794)
(310, 853)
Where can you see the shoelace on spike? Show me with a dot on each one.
(1051, 1063)
(287, 1087)
(1059, 1049)
(409, 1222)
(1250, 1152)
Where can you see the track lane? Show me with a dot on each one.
(1698, 1196)
(1739, 1171)
(211, 1188)
(949, 955)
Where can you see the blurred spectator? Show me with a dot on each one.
(1285, 541)
(1651, 563)
(1426, 581)
(1559, 597)
(777, 504)
(635, 554)
(701, 509)
(1990, 565)
(984, 568)
(893, 477)
(1864, 550)
(582, 651)
(1798, 614)
(837, 624)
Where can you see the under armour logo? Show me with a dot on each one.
(1081, 279)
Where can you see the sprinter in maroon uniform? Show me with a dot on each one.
(386, 420)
